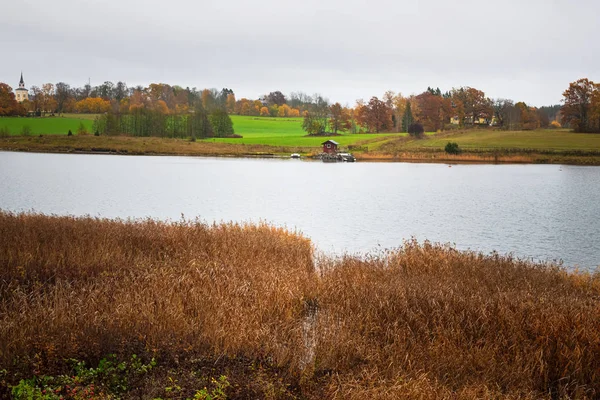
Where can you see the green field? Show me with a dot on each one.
(288, 132)
(255, 130)
(47, 125)
(558, 140)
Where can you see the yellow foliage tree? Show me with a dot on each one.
(264, 112)
(283, 111)
(230, 103)
(92, 105)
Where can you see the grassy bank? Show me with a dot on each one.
(493, 146)
(249, 303)
(139, 146)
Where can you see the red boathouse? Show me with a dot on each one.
(330, 146)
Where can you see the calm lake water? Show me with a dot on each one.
(544, 212)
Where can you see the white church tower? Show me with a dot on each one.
(22, 93)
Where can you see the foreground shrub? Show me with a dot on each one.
(425, 321)
(452, 148)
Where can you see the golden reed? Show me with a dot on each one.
(424, 321)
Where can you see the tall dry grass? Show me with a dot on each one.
(84, 288)
(425, 321)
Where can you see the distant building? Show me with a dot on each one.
(21, 93)
(330, 146)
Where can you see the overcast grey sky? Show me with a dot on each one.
(525, 50)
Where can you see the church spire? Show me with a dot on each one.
(21, 82)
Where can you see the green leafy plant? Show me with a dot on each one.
(217, 392)
(452, 148)
(110, 376)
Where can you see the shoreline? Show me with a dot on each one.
(152, 146)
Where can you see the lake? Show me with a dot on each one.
(541, 212)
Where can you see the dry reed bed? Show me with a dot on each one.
(425, 321)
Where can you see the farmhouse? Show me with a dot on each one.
(330, 146)
(21, 93)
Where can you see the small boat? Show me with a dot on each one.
(295, 155)
(347, 157)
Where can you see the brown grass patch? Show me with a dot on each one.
(425, 321)
(139, 146)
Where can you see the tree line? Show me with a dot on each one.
(433, 109)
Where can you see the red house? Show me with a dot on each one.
(330, 146)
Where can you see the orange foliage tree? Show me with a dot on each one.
(433, 111)
(582, 106)
(375, 116)
(92, 105)
(471, 105)
(230, 103)
(283, 111)
(530, 118)
(8, 103)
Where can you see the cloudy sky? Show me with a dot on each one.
(525, 50)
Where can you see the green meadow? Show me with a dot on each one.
(288, 132)
(255, 130)
(46, 125)
(546, 139)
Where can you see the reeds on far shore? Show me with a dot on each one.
(425, 321)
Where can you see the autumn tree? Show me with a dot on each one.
(434, 110)
(529, 116)
(264, 112)
(92, 105)
(230, 103)
(474, 105)
(8, 104)
(209, 99)
(376, 116)
(582, 106)
(339, 118)
(44, 98)
(283, 111)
